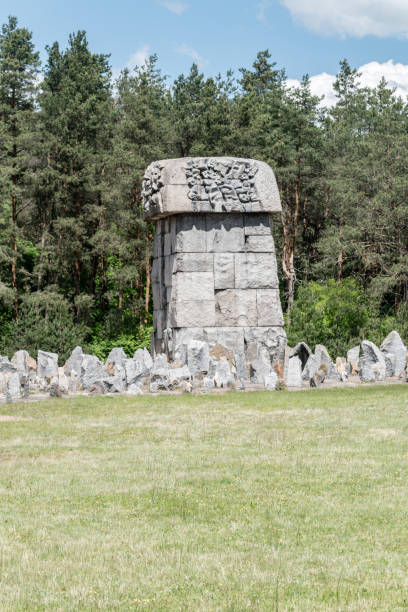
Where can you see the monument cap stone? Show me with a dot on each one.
(209, 185)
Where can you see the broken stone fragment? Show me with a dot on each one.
(319, 376)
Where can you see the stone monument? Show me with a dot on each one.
(214, 273)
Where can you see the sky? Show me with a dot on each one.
(303, 36)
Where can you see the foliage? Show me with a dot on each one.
(337, 315)
(46, 322)
(130, 342)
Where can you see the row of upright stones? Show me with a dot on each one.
(366, 360)
(205, 370)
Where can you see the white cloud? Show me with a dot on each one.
(396, 76)
(185, 49)
(261, 8)
(139, 57)
(352, 17)
(174, 7)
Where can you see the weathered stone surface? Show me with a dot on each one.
(257, 225)
(178, 375)
(219, 184)
(115, 363)
(224, 270)
(192, 314)
(324, 358)
(139, 367)
(353, 357)
(134, 389)
(268, 306)
(372, 365)
(395, 346)
(191, 234)
(341, 367)
(258, 370)
(259, 244)
(115, 384)
(193, 262)
(14, 385)
(47, 364)
(255, 271)
(63, 380)
(225, 233)
(223, 376)
(6, 366)
(92, 370)
(236, 308)
(198, 355)
(193, 286)
(271, 381)
(294, 376)
(319, 376)
(20, 361)
(390, 362)
(303, 351)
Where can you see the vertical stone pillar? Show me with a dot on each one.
(214, 273)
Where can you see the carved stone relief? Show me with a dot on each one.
(225, 186)
(152, 183)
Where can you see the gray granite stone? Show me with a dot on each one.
(225, 233)
(269, 310)
(255, 271)
(394, 345)
(294, 376)
(47, 364)
(236, 308)
(224, 271)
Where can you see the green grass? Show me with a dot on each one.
(245, 501)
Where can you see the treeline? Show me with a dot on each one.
(74, 249)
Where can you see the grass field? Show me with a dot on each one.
(243, 501)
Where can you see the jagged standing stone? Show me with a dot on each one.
(26, 389)
(47, 364)
(353, 357)
(303, 351)
(14, 385)
(115, 363)
(74, 362)
(198, 356)
(294, 376)
(393, 345)
(92, 370)
(341, 367)
(372, 365)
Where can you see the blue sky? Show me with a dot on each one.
(302, 35)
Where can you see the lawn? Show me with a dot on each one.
(242, 501)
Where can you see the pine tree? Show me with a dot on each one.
(19, 64)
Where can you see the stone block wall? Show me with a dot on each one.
(214, 278)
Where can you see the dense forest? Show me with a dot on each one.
(74, 249)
